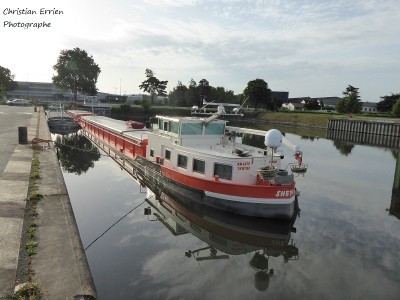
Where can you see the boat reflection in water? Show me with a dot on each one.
(226, 234)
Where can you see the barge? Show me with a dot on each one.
(203, 160)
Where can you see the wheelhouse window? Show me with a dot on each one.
(182, 161)
(223, 171)
(192, 129)
(151, 152)
(166, 126)
(214, 128)
(167, 154)
(199, 166)
(174, 127)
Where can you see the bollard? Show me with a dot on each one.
(22, 135)
(35, 109)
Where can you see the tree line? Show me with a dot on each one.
(193, 94)
(78, 72)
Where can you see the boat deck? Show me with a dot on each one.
(119, 127)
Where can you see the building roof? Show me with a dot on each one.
(298, 100)
(297, 105)
(369, 104)
(329, 100)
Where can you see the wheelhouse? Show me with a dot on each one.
(201, 148)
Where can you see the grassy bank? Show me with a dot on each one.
(307, 119)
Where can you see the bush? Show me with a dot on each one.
(125, 108)
(396, 109)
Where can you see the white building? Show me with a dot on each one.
(293, 106)
(369, 107)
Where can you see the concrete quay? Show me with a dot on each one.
(60, 265)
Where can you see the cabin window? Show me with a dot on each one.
(223, 171)
(152, 152)
(199, 166)
(174, 127)
(167, 154)
(215, 128)
(166, 126)
(192, 129)
(160, 124)
(182, 161)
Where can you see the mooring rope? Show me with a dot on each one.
(116, 222)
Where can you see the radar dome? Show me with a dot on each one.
(273, 138)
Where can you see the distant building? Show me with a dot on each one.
(115, 98)
(279, 97)
(43, 91)
(47, 91)
(135, 98)
(299, 100)
(298, 103)
(369, 107)
(295, 106)
(328, 101)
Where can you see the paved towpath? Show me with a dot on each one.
(15, 166)
(60, 265)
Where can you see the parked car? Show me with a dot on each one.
(22, 102)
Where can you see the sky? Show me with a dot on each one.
(313, 48)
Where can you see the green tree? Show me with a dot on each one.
(312, 104)
(3, 90)
(396, 109)
(259, 94)
(193, 94)
(387, 103)
(341, 106)
(76, 71)
(352, 100)
(178, 96)
(204, 89)
(153, 85)
(182, 95)
(219, 94)
(7, 82)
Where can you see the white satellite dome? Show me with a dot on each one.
(273, 138)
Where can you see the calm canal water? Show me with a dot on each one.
(346, 243)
